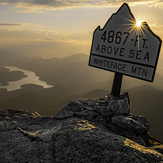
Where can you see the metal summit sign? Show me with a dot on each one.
(125, 47)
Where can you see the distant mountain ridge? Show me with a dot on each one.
(7, 76)
(73, 71)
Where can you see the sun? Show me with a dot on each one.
(138, 23)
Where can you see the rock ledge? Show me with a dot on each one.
(98, 130)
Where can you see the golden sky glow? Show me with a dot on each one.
(58, 28)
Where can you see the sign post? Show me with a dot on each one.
(125, 48)
(116, 88)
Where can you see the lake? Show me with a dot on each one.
(30, 79)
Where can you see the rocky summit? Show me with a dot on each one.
(99, 130)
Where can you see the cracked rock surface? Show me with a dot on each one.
(98, 130)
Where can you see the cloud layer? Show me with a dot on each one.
(41, 5)
(17, 24)
(42, 42)
(42, 35)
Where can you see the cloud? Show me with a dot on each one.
(11, 24)
(17, 25)
(43, 35)
(44, 43)
(156, 26)
(24, 34)
(158, 29)
(40, 6)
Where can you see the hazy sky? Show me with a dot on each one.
(57, 28)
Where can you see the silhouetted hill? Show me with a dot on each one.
(95, 93)
(33, 97)
(129, 82)
(7, 76)
(73, 71)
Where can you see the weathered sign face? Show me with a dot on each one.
(122, 46)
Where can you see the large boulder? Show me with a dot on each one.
(106, 106)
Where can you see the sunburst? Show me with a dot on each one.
(138, 23)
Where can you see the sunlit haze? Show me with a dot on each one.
(61, 28)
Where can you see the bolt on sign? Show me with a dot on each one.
(125, 46)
